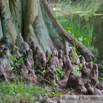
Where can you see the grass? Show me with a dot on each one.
(23, 92)
(75, 19)
(75, 27)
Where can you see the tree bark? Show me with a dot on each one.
(35, 18)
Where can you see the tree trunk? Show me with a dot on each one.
(32, 22)
(35, 18)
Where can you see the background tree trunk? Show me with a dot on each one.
(35, 18)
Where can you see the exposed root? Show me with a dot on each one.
(23, 62)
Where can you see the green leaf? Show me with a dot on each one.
(9, 51)
(69, 28)
(74, 52)
(41, 68)
(53, 70)
(80, 67)
(44, 71)
(20, 61)
(78, 56)
(48, 56)
(58, 94)
(20, 55)
(56, 85)
(11, 68)
(76, 69)
(13, 58)
(91, 62)
(60, 74)
(100, 78)
(84, 38)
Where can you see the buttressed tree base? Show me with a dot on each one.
(33, 42)
(35, 18)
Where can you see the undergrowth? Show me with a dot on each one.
(23, 92)
(75, 19)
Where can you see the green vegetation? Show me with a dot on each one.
(23, 92)
(77, 69)
(20, 91)
(74, 26)
(60, 74)
(70, 90)
(13, 59)
(75, 19)
(79, 19)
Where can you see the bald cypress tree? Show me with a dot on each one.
(35, 18)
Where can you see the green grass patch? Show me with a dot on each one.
(23, 92)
